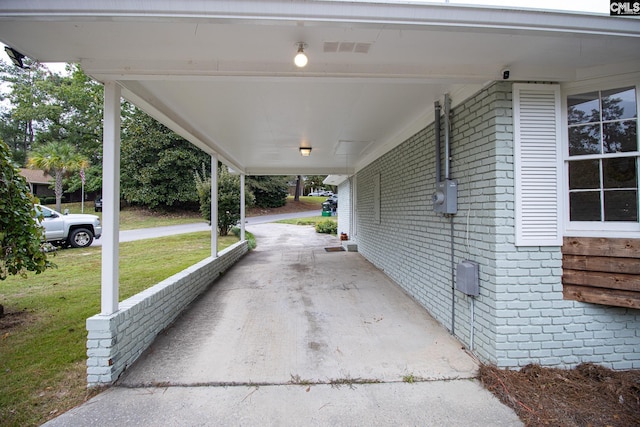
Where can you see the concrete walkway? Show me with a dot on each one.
(295, 335)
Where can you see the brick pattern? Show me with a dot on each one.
(520, 316)
(115, 341)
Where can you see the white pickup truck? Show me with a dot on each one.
(75, 230)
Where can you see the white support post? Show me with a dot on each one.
(214, 205)
(110, 198)
(242, 210)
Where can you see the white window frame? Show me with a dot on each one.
(594, 228)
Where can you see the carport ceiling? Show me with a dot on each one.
(222, 75)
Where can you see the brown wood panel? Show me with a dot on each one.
(601, 263)
(601, 271)
(602, 296)
(596, 279)
(600, 246)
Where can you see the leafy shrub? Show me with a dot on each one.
(157, 164)
(20, 234)
(203, 188)
(228, 197)
(327, 227)
(251, 239)
(48, 200)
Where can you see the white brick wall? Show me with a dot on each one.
(520, 315)
(115, 341)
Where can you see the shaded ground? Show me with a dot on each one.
(588, 395)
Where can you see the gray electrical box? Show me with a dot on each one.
(467, 278)
(445, 199)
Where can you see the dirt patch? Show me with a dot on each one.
(290, 207)
(589, 395)
(12, 319)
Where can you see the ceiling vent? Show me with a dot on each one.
(346, 47)
(331, 47)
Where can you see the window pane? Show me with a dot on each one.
(585, 206)
(619, 173)
(619, 104)
(584, 139)
(583, 108)
(620, 137)
(584, 174)
(621, 205)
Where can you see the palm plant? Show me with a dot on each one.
(58, 159)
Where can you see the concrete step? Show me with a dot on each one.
(350, 246)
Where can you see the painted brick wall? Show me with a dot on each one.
(115, 341)
(520, 316)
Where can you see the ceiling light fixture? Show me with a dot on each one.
(15, 56)
(301, 58)
(305, 151)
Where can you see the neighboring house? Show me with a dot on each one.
(40, 182)
(41, 186)
(459, 138)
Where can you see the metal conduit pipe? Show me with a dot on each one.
(447, 175)
(436, 130)
(453, 283)
(447, 137)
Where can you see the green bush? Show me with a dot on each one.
(21, 249)
(48, 200)
(228, 197)
(251, 239)
(327, 226)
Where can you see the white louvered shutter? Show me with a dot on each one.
(538, 164)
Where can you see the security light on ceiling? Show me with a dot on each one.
(301, 58)
(305, 151)
(15, 56)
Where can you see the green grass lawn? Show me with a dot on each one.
(133, 218)
(312, 220)
(43, 356)
(310, 199)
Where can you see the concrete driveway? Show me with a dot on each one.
(296, 335)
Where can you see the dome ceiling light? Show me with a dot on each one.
(301, 59)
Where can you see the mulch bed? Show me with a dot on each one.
(589, 395)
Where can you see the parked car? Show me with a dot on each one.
(98, 204)
(75, 230)
(320, 193)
